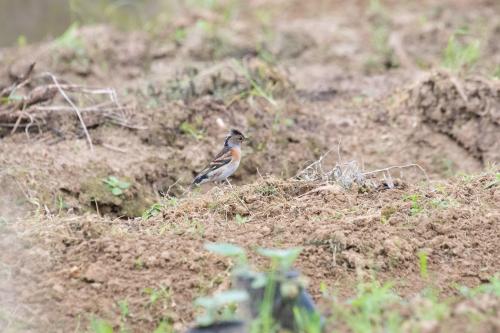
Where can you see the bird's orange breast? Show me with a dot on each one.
(235, 154)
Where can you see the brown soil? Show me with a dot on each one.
(70, 249)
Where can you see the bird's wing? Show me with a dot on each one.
(221, 159)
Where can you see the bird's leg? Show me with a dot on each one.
(231, 186)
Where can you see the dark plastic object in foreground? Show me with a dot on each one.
(283, 304)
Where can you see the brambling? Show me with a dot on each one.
(225, 162)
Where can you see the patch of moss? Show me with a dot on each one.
(98, 195)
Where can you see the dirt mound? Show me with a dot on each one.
(344, 234)
(466, 110)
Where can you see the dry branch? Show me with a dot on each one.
(77, 111)
(32, 100)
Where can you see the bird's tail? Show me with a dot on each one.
(200, 179)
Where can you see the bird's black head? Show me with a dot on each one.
(235, 138)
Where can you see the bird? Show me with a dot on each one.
(225, 163)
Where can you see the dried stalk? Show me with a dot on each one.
(77, 111)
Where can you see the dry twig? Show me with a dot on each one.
(77, 111)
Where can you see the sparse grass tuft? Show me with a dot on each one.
(191, 129)
(70, 39)
(460, 55)
(267, 189)
(492, 288)
(100, 326)
(422, 256)
(370, 310)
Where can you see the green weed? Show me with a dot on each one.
(196, 227)
(386, 213)
(368, 311)
(138, 264)
(495, 182)
(496, 73)
(416, 205)
(267, 190)
(100, 326)
(493, 288)
(240, 219)
(235, 252)
(460, 55)
(256, 82)
(22, 41)
(164, 327)
(422, 256)
(116, 186)
(191, 129)
(124, 313)
(70, 39)
(154, 210)
(380, 32)
(432, 309)
(307, 322)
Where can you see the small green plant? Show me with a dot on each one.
(441, 203)
(191, 129)
(161, 297)
(124, 313)
(3, 222)
(459, 55)
(416, 206)
(216, 307)
(22, 41)
(161, 294)
(154, 210)
(240, 219)
(138, 264)
(180, 35)
(100, 326)
(307, 322)
(380, 21)
(496, 73)
(70, 39)
(267, 190)
(281, 259)
(493, 288)
(386, 213)
(164, 327)
(235, 252)
(258, 89)
(367, 312)
(115, 185)
(422, 256)
(495, 182)
(196, 227)
(433, 308)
